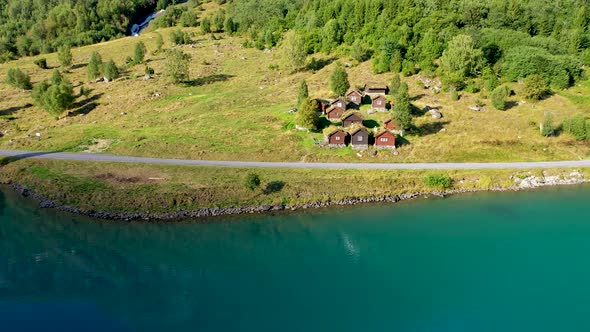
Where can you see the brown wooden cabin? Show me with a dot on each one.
(379, 103)
(359, 138)
(352, 119)
(391, 125)
(375, 90)
(337, 138)
(355, 97)
(340, 102)
(385, 140)
(334, 113)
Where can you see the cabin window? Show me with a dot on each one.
(384, 139)
(359, 138)
(337, 138)
(379, 102)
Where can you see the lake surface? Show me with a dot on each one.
(483, 262)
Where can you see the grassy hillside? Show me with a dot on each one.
(235, 108)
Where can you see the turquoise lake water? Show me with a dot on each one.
(483, 262)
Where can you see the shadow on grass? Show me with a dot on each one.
(510, 104)
(400, 141)
(274, 187)
(11, 159)
(318, 64)
(418, 97)
(430, 128)
(323, 123)
(78, 65)
(370, 124)
(85, 106)
(11, 110)
(209, 79)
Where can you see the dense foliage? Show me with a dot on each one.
(29, 27)
(460, 40)
(578, 126)
(55, 96)
(440, 181)
(18, 79)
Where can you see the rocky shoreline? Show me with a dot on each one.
(521, 183)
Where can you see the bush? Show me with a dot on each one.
(179, 37)
(189, 18)
(440, 181)
(577, 126)
(111, 71)
(64, 55)
(547, 127)
(139, 53)
(177, 66)
(534, 87)
(252, 181)
(41, 63)
(205, 25)
(94, 66)
(499, 96)
(55, 96)
(18, 79)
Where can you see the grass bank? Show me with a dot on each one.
(155, 189)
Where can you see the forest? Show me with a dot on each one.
(456, 39)
(30, 27)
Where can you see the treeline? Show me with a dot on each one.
(509, 39)
(30, 27)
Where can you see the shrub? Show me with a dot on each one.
(64, 55)
(307, 115)
(547, 128)
(499, 96)
(94, 66)
(179, 37)
(111, 71)
(149, 70)
(55, 96)
(177, 66)
(139, 52)
(159, 43)
(41, 63)
(205, 25)
(252, 181)
(303, 94)
(440, 181)
(395, 84)
(18, 79)
(577, 126)
(534, 87)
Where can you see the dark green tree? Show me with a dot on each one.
(339, 81)
(139, 53)
(402, 110)
(252, 181)
(205, 25)
(307, 116)
(55, 96)
(110, 70)
(94, 66)
(159, 42)
(303, 94)
(64, 55)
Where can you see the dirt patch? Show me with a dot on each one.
(98, 145)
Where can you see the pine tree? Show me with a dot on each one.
(303, 94)
(94, 66)
(395, 84)
(339, 81)
(159, 43)
(402, 111)
(139, 53)
(111, 71)
(64, 55)
(307, 116)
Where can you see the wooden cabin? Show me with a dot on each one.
(340, 102)
(385, 140)
(353, 118)
(376, 90)
(391, 125)
(359, 138)
(379, 103)
(337, 138)
(334, 113)
(355, 97)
